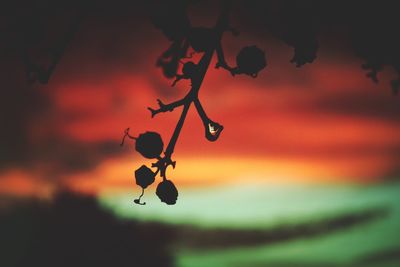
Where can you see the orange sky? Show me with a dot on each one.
(324, 122)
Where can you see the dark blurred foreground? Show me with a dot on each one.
(73, 231)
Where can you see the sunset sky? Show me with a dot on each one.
(322, 123)
(306, 171)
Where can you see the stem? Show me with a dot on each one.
(197, 81)
(178, 128)
(126, 133)
(201, 111)
(192, 95)
(137, 201)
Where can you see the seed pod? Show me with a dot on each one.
(250, 60)
(149, 145)
(167, 192)
(144, 176)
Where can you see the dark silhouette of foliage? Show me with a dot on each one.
(72, 230)
(38, 72)
(297, 23)
(370, 26)
(170, 17)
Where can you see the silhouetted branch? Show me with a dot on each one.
(202, 40)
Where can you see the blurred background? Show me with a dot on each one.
(305, 173)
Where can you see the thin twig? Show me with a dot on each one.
(166, 107)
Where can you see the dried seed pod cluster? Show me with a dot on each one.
(150, 145)
(250, 61)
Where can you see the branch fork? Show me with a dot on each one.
(195, 72)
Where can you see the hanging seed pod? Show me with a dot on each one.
(144, 177)
(167, 192)
(149, 145)
(250, 60)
